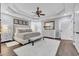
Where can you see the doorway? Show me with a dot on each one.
(66, 28)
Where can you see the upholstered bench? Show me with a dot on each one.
(34, 39)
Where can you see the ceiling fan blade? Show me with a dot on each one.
(37, 8)
(42, 14)
(40, 11)
(38, 15)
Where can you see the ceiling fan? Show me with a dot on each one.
(38, 12)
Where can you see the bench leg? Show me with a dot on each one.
(43, 38)
(32, 43)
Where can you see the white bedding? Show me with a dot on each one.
(45, 47)
(26, 34)
(24, 37)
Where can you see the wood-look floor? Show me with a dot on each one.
(0, 54)
(66, 48)
(5, 51)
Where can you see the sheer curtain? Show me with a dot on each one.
(36, 26)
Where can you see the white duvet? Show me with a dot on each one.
(27, 35)
(45, 47)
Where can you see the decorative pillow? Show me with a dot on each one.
(28, 30)
(24, 30)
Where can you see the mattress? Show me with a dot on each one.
(45, 47)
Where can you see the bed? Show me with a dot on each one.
(45, 47)
(23, 36)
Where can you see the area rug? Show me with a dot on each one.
(45, 47)
(10, 44)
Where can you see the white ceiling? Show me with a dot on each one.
(49, 9)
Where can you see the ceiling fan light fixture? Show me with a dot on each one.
(39, 12)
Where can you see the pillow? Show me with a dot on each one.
(24, 30)
(28, 30)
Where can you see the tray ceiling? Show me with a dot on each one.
(26, 9)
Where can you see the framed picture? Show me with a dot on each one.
(16, 21)
(49, 25)
(20, 22)
(23, 22)
(26, 23)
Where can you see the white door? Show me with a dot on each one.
(66, 28)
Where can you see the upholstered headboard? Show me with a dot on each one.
(22, 30)
(16, 26)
